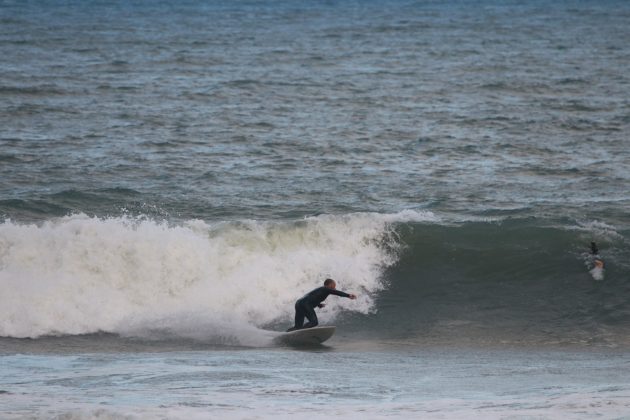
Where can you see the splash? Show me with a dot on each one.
(78, 274)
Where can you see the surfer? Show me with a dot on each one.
(597, 263)
(305, 306)
(597, 260)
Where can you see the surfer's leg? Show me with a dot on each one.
(299, 316)
(311, 316)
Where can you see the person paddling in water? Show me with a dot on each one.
(305, 306)
(597, 260)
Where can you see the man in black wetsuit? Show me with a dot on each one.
(305, 306)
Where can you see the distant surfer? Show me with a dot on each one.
(305, 306)
(597, 260)
(598, 264)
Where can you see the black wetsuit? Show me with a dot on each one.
(305, 306)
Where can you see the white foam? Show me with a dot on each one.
(598, 230)
(600, 403)
(597, 273)
(79, 274)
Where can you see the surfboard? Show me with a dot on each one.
(306, 336)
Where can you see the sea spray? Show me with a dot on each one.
(80, 274)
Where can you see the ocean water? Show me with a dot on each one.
(174, 175)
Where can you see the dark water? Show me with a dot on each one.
(174, 175)
(518, 281)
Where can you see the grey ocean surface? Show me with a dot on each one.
(173, 175)
(283, 109)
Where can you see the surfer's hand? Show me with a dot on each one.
(352, 296)
(321, 305)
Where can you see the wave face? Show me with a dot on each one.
(513, 281)
(418, 277)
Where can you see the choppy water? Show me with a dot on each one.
(276, 109)
(280, 384)
(174, 175)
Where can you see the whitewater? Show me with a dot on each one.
(80, 275)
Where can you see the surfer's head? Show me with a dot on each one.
(330, 283)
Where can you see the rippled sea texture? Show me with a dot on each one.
(281, 109)
(277, 384)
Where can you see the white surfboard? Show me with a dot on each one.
(306, 336)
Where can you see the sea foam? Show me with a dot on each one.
(80, 274)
